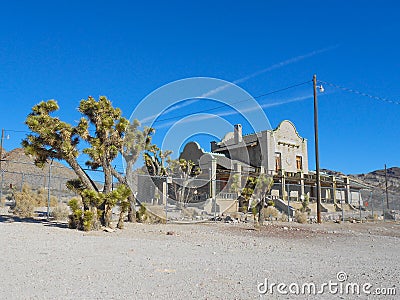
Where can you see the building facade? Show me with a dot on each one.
(281, 153)
(269, 151)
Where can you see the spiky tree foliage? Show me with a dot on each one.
(135, 142)
(52, 138)
(257, 187)
(235, 183)
(105, 144)
(183, 172)
(263, 184)
(155, 160)
(55, 139)
(110, 128)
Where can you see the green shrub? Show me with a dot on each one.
(304, 204)
(75, 219)
(74, 204)
(270, 203)
(87, 222)
(141, 214)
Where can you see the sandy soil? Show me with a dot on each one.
(45, 260)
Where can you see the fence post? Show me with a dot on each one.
(372, 205)
(214, 185)
(341, 205)
(359, 203)
(1, 187)
(48, 191)
(168, 180)
(22, 181)
(288, 203)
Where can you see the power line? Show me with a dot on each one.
(359, 93)
(222, 106)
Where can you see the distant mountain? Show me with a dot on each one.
(376, 180)
(19, 169)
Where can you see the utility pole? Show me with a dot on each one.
(317, 178)
(387, 192)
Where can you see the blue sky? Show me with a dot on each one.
(68, 50)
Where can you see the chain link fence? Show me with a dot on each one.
(203, 198)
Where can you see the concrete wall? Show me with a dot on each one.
(286, 140)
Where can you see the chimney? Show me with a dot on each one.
(238, 134)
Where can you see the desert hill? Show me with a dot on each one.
(19, 169)
(377, 182)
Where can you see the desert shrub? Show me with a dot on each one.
(60, 212)
(24, 204)
(189, 212)
(300, 217)
(236, 215)
(270, 212)
(284, 218)
(143, 215)
(270, 203)
(27, 199)
(3, 200)
(304, 204)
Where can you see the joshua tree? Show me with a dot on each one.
(257, 186)
(184, 171)
(135, 142)
(52, 138)
(155, 160)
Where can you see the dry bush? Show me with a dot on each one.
(24, 205)
(27, 200)
(270, 212)
(284, 218)
(155, 215)
(301, 217)
(189, 212)
(236, 215)
(60, 212)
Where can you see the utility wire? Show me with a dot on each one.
(359, 93)
(205, 110)
(222, 106)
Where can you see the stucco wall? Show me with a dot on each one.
(288, 142)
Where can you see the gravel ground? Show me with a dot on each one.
(45, 260)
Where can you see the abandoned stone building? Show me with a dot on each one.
(281, 153)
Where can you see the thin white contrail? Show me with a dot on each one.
(202, 117)
(273, 67)
(168, 110)
(240, 80)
